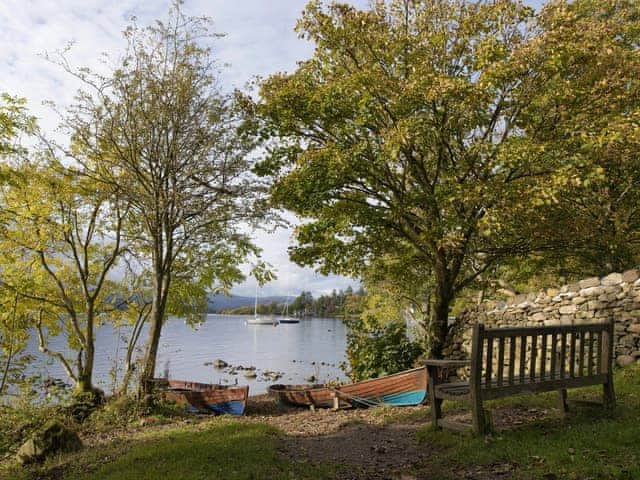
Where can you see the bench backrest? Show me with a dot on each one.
(509, 360)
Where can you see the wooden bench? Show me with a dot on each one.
(512, 361)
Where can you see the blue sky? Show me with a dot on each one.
(259, 41)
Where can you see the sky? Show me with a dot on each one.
(260, 40)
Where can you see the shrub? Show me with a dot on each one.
(375, 350)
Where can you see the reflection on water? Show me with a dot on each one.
(312, 347)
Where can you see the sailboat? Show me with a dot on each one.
(258, 320)
(285, 314)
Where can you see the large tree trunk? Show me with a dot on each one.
(439, 318)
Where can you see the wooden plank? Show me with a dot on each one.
(599, 352)
(523, 357)
(488, 371)
(543, 358)
(608, 352)
(436, 412)
(512, 359)
(543, 386)
(475, 393)
(572, 354)
(563, 354)
(590, 359)
(500, 373)
(532, 364)
(548, 329)
(581, 355)
(437, 362)
(554, 356)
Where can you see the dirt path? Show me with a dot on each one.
(372, 444)
(367, 443)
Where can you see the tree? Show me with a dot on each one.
(14, 121)
(401, 136)
(585, 112)
(14, 321)
(61, 238)
(159, 132)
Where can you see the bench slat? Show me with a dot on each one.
(581, 355)
(572, 354)
(534, 347)
(459, 390)
(557, 329)
(543, 386)
(488, 370)
(590, 359)
(500, 373)
(563, 354)
(554, 354)
(512, 359)
(543, 358)
(523, 356)
(599, 353)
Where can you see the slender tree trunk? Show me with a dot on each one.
(5, 372)
(85, 373)
(161, 283)
(133, 341)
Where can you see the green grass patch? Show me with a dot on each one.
(588, 443)
(221, 449)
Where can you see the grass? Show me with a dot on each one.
(587, 444)
(222, 449)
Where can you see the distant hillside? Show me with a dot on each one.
(218, 303)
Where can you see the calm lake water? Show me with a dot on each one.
(311, 347)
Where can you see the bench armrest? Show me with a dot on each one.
(445, 363)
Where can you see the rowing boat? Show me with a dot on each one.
(206, 397)
(400, 389)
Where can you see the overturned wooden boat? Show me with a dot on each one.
(199, 397)
(400, 389)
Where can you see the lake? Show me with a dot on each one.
(312, 347)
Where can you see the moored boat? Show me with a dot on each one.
(285, 314)
(289, 320)
(206, 397)
(262, 321)
(297, 395)
(400, 389)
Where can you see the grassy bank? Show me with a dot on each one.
(538, 442)
(588, 443)
(223, 448)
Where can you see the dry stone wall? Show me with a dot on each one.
(591, 300)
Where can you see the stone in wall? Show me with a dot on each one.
(594, 299)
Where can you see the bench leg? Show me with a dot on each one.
(564, 405)
(609, 394)
(436, 403)
(478, 417)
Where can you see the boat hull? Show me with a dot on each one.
(400, 389)
(207, 398)
(262, 321)
(296, 395)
